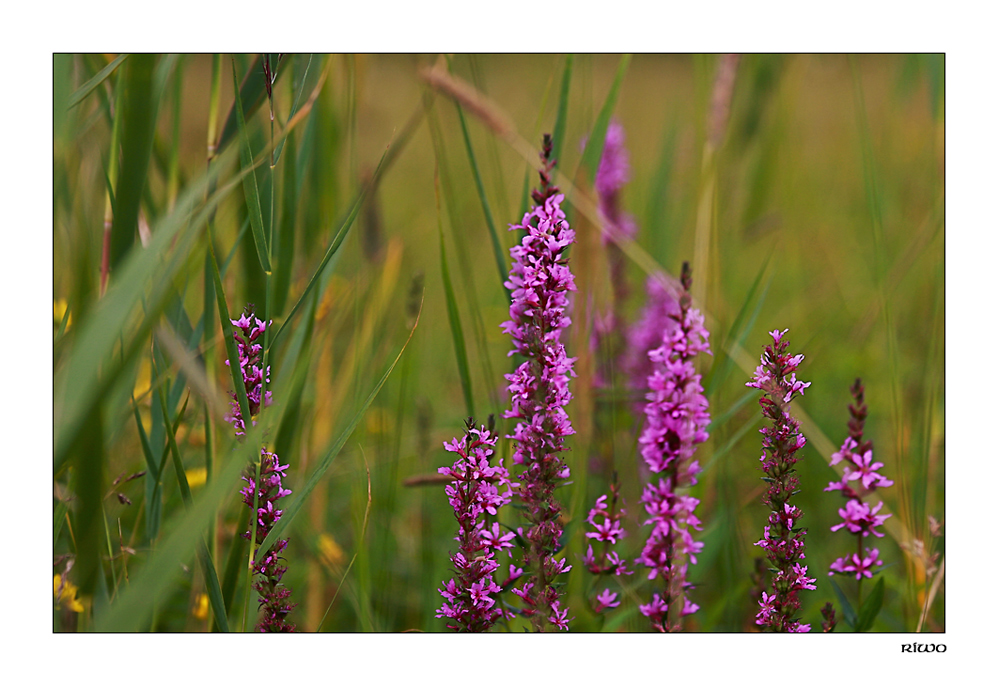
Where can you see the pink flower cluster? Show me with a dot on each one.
(860, 479)
(540, 281)
(273, 595)
(251, 329)
(605, 522)
(676, 422)
(783, 538)
(475, 493)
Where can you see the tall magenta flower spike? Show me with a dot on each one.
(539, 282)
(783, 539)
(676, 422)
(474, 494)
(860, 480)
(273, 603)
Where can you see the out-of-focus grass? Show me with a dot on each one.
(826, 219)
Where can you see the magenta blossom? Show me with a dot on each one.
(854, 564)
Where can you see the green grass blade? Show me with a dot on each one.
(204, 557)
(286, 231)
(295, 105)
(86, 89)
(480, 188)
(252, 94)
(293, 509)
(595, 142)
(139, 120)
(739, 331)
(454, 318)
(558, 133)
(230, 576)
(250, 189)
(334, 246)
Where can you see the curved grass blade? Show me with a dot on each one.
(204, 557)
(293, 509)
(453, 316)
(250, 189)
(595, 142)
(252, 94)
(739, 330)
(334, 246)
(493, 235)
(558, 133)
(86, 89)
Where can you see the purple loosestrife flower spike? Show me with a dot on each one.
(860, 480)
(539, 282)
(676, 422)
(273, 601)
(782, 540)
(474, 494)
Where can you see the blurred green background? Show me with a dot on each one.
(818, 209)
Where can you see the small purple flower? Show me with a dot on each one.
(854, 564)
(606, 599)
(783, 538)
(473, 492)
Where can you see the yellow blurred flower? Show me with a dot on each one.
(196, 477)
(59, 307)
(68, 594)
(200, 609)
(329, 551)
(142, 379)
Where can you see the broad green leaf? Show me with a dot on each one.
(871, 607)
(849, 615)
